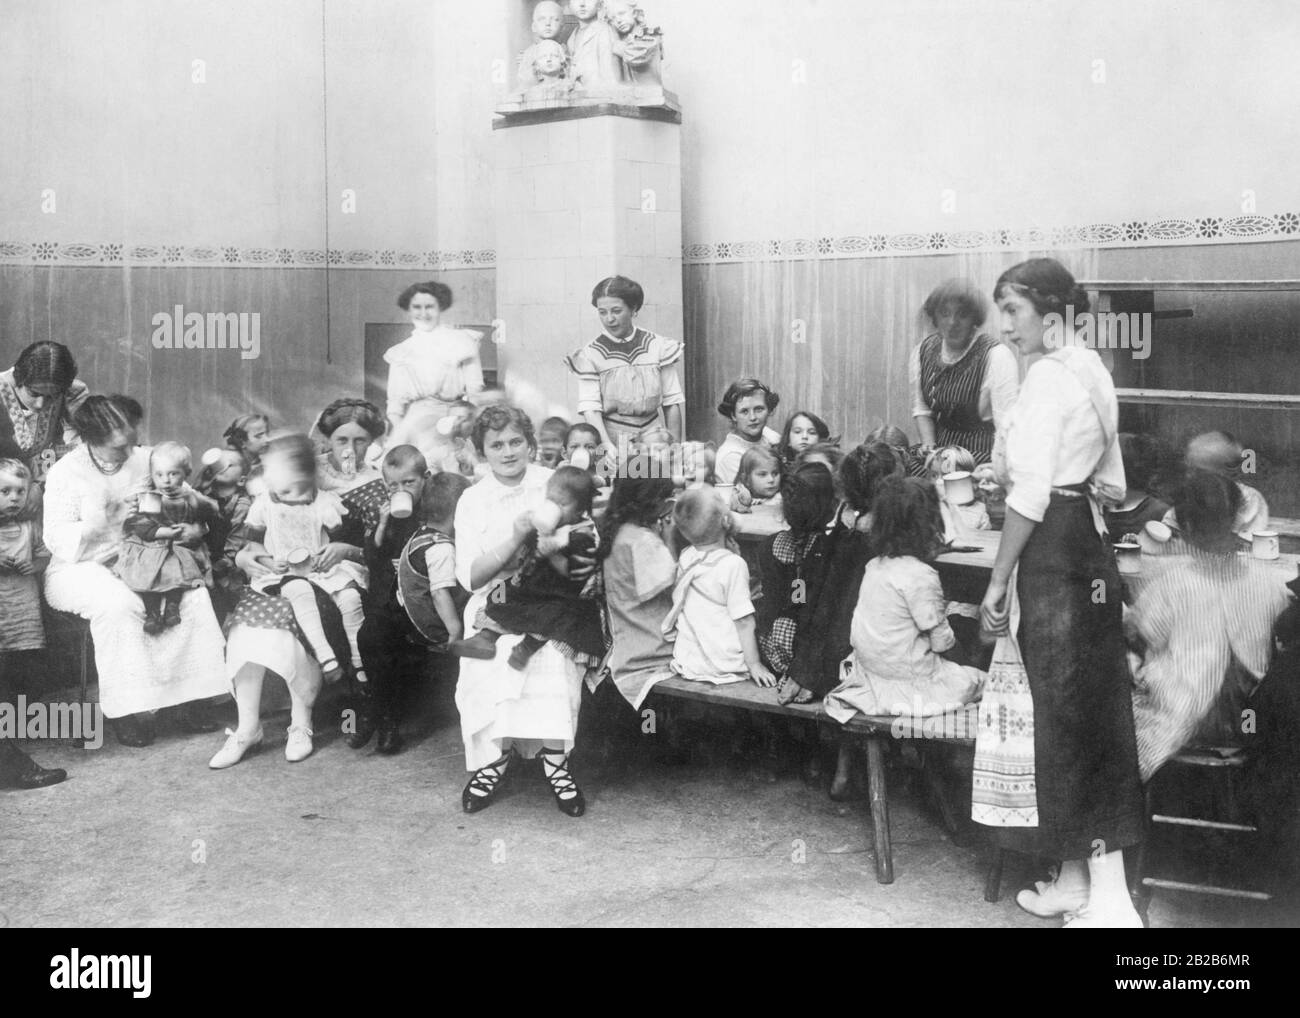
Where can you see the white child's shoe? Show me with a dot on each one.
(298, 746)
(235, 747)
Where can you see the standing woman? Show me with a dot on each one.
(963, 381)
(1061, 456)
(506, 713)
(38, 396)
(748, 404)
(88, 495)
(627, 375)
(435, 367)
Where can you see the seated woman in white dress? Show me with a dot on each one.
(87, 496)
(506, 714)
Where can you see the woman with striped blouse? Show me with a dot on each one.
(963, 381)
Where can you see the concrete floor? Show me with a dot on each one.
(153, 838)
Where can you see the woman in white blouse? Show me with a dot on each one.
(963, 381)
(432, 369)
(87, 496)
(1061, 458)
(507, 714)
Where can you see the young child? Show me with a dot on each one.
(289, 529)
(223, 478)
(552, 442)
(951, 459)
(900, 631)
(163, 551)
(1141, 456)
(1220, 453)
(711, 621)
(802, 431)
(393, 644)
(248, 434)
(756, 511)
(541, 601)
(23, 558)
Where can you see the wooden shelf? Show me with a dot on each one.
(1236, 400)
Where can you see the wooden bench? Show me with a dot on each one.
(954, 728)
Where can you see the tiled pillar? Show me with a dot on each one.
(581, 194)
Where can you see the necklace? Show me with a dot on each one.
(108, 471)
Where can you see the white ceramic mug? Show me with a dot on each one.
(1154, 536)
(958, 488)
(299, 561)
(401, 505)
(1129, 558)
(1263, 544)
(150, 502)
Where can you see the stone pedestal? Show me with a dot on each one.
(582, 193)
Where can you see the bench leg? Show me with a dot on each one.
(993, 882)
(879, 809)
(85, 676)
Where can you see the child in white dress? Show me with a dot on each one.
(711, 621)
(289, 528)
(900, 629)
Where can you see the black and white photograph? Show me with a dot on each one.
(650, 464)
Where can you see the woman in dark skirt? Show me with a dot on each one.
(1061, 458)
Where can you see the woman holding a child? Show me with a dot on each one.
(507, 714)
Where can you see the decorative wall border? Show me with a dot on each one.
(1148, 233)
(1135, 233)
(231, 257)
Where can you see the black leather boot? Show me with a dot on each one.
(135, 730)
(18, 770)
(363, 715)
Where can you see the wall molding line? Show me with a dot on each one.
(228, 256)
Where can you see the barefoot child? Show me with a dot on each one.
(163, 552)
(541, 601)
(712, 618)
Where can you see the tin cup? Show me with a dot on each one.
(1153, 537)
(150, 502)
(401, 505)
(958, 488)
(299, 561)
(1128, 556)
(1263, 544)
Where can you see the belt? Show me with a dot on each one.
(1069, 493)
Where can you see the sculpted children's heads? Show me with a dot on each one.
(584, 10)
(547, 19)
(550, 60)
(623, 15)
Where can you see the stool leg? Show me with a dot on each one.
(85, 675)
(993, 882)
(879, 810)
(1136, 890)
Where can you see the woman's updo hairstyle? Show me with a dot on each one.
(741, 388)
(440, 292)
(46, 363)
(620, 288)
(99, 417)
(351, 411)
(1045, 283)
(497, 418)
